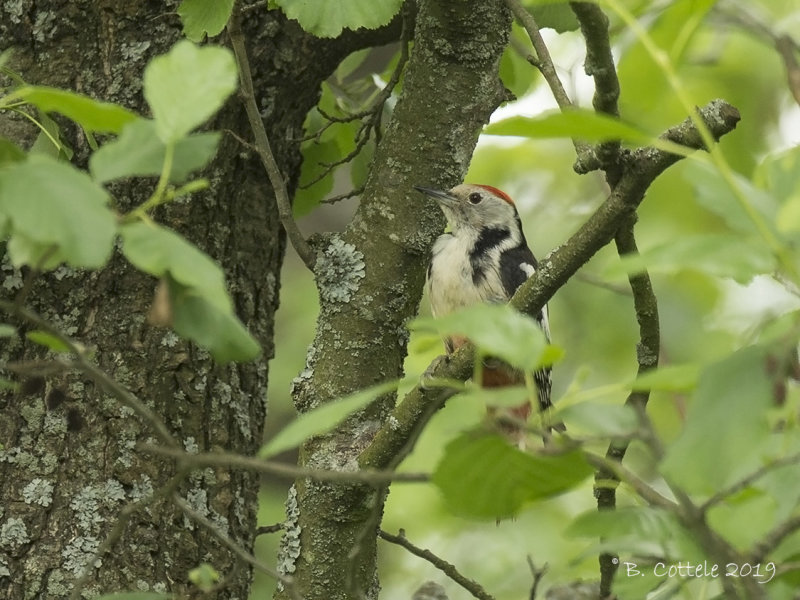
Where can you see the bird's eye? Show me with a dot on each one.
(475, 198)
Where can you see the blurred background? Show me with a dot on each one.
(720, 50)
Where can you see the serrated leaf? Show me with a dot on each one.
(614, 420)
(90, 114)
(186, 86)
(324, 418)
(135, 596)
(47, 340)
(577, 122)
(204, 17)
(495, 329)
(210, 326)
(138, 151)
(670, 378)
(327, 19)
(726, 424)
(10, 152)
(482, 476)
(7, 330)
(160, 251)
(49, 202)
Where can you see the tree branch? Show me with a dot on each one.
(262, 145)
(238, 461)
(772, 539)
(599, 65)
(647, 352)
(473, 587)
(640, 168)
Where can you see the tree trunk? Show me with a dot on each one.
(69, 461)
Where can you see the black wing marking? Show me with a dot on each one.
(512, 273)
(489, 238)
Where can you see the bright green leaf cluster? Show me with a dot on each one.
(53, 213)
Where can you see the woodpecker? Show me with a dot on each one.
(484, 258)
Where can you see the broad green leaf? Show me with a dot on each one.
(160, 251)
(204, 17)
(90, 114)
(750, 506)
(196, 318)
(495, 329)
(721, 255)
(50, 141)
(726, 424)
(482, 476)
(24, 251)
(578, 123)
(138, 151)
(670, 378)
(135, 596)
(186, 86)
(615, 420)
(47, 340)
(715, 195)
(324, 418)
(554, 15)
(10, 152)
(7, 330)
(327, 19)
(49, 202)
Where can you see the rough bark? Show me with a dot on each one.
(68, 460)
(370, 281)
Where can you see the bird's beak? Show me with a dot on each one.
(441, 197)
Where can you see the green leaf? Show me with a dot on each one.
(138, 151)
(218, 330)
(49, 202)
(24, 251)
(556, 15)
(495, 329)
(670, 378)
(482, 476)
(726, 424)
(10, 152)
(615, 420)
(204, 576)
(715, 195)
(201, 17)
(186, 86)
(327, 19)
(315, 154)
(47, 340)
(90, 114)
(721, 255)
(7, 330)
(135, 596)
(160, 251)
(6, 384)
(576, 122)
(498, 397)
(324, 418)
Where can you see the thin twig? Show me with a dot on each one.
(647, 352)
(473, 587)
(99, 376)
(238, 461)
(544, 63)
(234, 546)
(269, 529)
(771, 540)
(538, 574)
(599, 65)
(262, 145)
(119, 528)
(351, 194)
